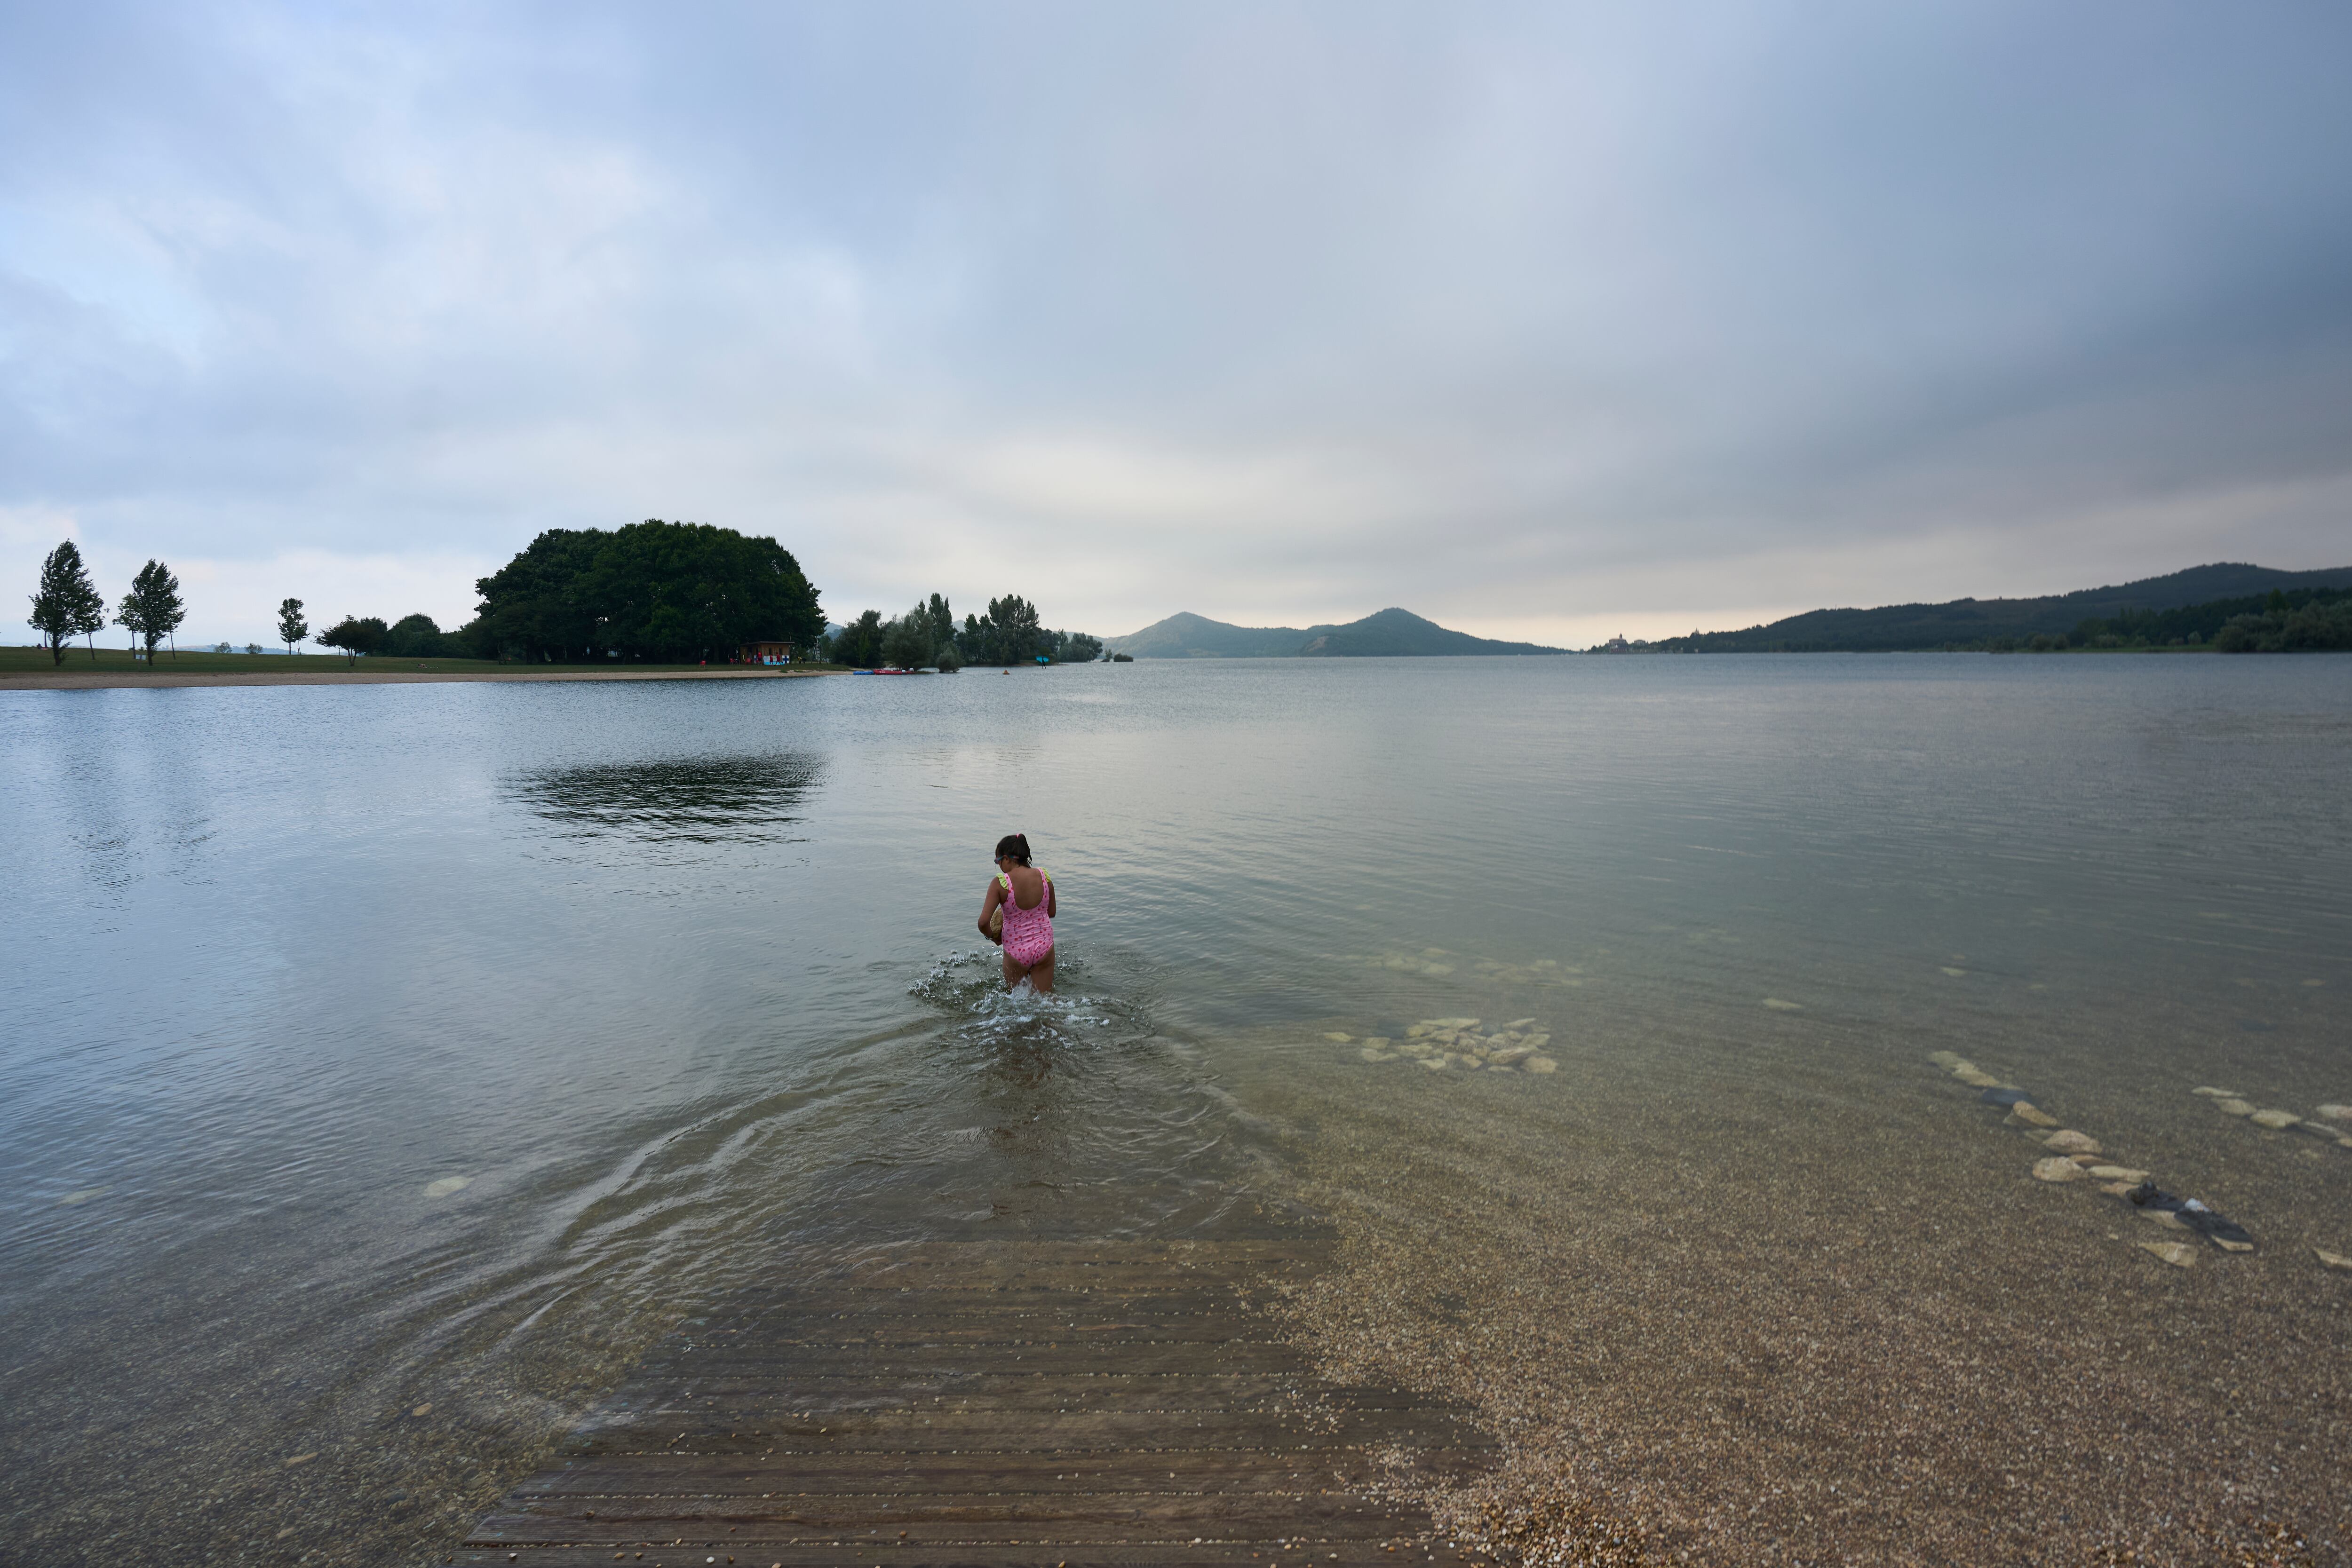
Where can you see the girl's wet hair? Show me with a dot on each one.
(1016, 845)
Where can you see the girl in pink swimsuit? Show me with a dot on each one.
(1025, 930)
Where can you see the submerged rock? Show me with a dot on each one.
(2180, 1254)
(2031, 1115)
(1518, 1023)
(2056, 1168)
(2124, 1174)
(1947, 1059)
(1975, 1079)
(2337, 1112)
(1539, 1065)
(2276, 1121)
(1778, 1006)
(2215, 1094)
(2070, 1141)
(448, 1185)
(2332, 1260)
(2002, 1096)
(1338, 1039)
(2233, 1107)
(2220, 1230)
(1372, 1054)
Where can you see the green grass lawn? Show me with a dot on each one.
(119, 661)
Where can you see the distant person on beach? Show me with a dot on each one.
(1018, 915)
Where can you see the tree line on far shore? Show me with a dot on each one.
(927, 637)
(651, 591)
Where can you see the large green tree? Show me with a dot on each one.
(859, 643)
(151, 610)
(68, 603)
(1008, 634)
(355, 635)
(654, 589)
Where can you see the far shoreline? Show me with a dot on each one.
(102, 680)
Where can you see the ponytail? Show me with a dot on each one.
(1016, 846)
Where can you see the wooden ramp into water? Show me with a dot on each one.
(993, 1404)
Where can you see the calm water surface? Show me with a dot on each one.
(379, 1050)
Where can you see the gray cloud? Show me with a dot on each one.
(1528, 317)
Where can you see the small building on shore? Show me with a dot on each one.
(766, 653)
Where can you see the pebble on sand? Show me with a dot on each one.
(1977, 1079)
(2032, 1115)
(2276, 1121)
(1539, 1065)
(2056, 1168)
(2337, 1112)
(2180, 1254)
(2070, 1141)
(1947, 1059)
(448, 1185)
(2215, 1094)
(1374, 1053)
(1949, 970)
(2233, 1107)
(2333, 1259)
(1778, 1006)
(1338, 1039)
(2124, 1174)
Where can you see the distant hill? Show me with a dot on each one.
(1389, 633)
(1973, 623)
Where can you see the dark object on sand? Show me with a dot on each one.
(2005, 1097)
(2221, 1230)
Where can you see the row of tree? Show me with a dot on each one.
(928, 637)
(68, 604)
(655, 590)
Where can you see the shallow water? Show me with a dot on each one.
(381, 1050)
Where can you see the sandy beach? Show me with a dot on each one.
(66, 680)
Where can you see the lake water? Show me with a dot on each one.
(386, 1066)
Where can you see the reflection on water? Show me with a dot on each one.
(697, 800)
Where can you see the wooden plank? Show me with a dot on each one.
(891, 1552)
(1225, 1254)
(955, 1516)
(782, 1336)
(1053, 1355)
(855, 1301)
(644, 1476)
(1008, 1273)
(990, 1404)
(1026, 1431)
(788, 1393)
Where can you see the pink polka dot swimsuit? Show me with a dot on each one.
(1028, 933)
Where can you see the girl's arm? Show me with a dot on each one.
(988, 907)
(1049, 898)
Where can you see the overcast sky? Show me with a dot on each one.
(1546, 321)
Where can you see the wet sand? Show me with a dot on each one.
(1740, 1319)
(69, 681)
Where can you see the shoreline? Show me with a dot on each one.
(112, 679)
